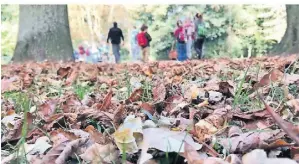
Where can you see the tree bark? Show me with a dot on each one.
(44, 34)
(289, 43)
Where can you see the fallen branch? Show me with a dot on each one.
(280, 121)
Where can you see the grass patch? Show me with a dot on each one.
(21, 100)
(82, 89)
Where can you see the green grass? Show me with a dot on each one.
(147, 91)
(242, 99)
(293, 89)
(239, 96)
(20, 148)
(20, 99)
(82, 90)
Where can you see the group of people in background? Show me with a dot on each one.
(187, 34)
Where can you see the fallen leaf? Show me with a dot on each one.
(295, 153)
(97, 153)
(135, 96)
(59, 136)
(260, 156)
(47, 109)
(210, 125)
(61, 152)
(272, 76)
(106, 102)
(168, 141)
(125, 141)
(294, 103)
(71, 77)
(291, 79)
(6, 84)
(95, 135)
(192, 155)
(40, 146)
(119, 116)
(290, 129)
(159, 92)
(233, 159)
(16, 132)
(64, 71)
(147, 107)
(172, 102)
(250, 140)
(226, 89)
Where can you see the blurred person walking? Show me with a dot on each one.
(144, 39)
(115, 34)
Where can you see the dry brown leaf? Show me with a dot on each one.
(106, 102)
(259, 156)
(172, 102)
(192, 155)
(135, 96)
(16, 132)
(47, 109)
(148, 107)
(59, 136)
(27, 79)
(290, 129)
(72, 76)
(147, 71)
(252, 115)
(70, 103)
(59, 153)
(7, 84)
(159, 92)
(294, 103)
(291, 79)
(70, 117)
(276, 144)
(251, 140)
(272, 76)
(210, 125)
(95, 135)
(97, 153)
(295, 153)
(226, 89)
(63, 72)
(119, 116)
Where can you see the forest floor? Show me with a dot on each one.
(200, 111)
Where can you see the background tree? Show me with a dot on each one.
(43, 34)
(290, 41)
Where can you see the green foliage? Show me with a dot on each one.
(9, 29)
(232, 30)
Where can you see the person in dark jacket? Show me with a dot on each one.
(146, 48)
(200, 35)
(115, 34)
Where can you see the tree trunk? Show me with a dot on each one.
(289, 44)
(44, 34)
